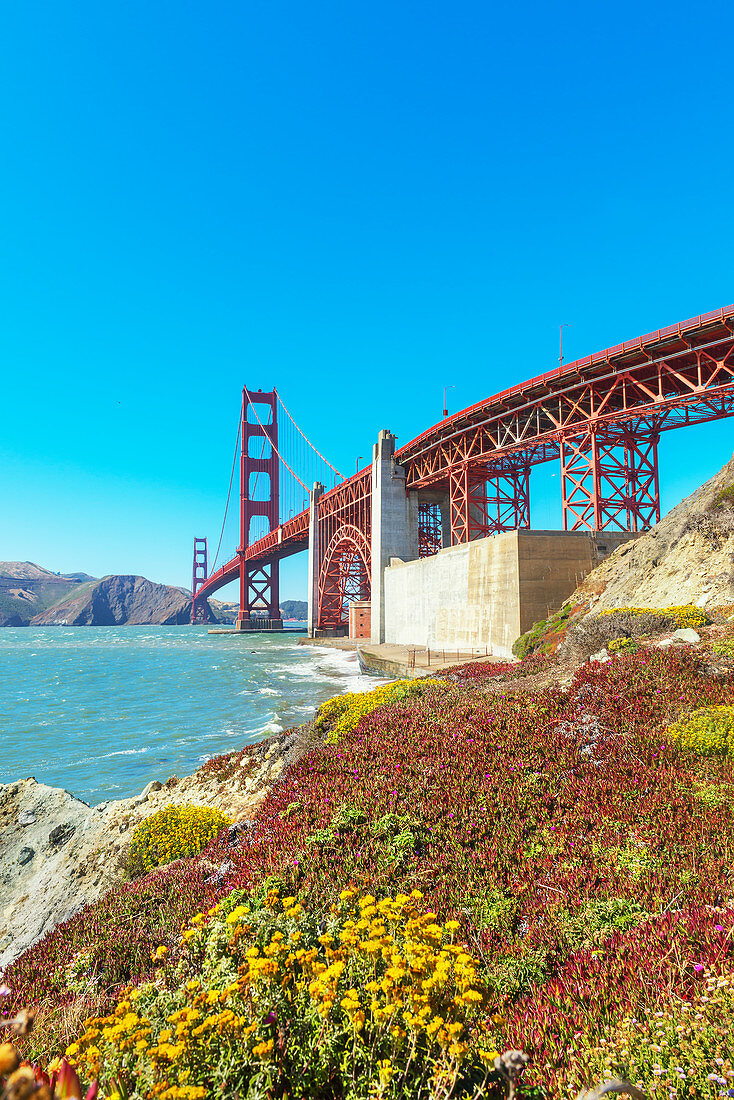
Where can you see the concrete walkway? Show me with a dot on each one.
(399, 661)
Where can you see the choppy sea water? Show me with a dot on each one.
(103, 710)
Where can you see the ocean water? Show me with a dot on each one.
(101, 711)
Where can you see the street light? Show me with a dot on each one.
(566, 324)
(445, 410)
(359, 459)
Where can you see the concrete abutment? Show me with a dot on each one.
(480, 594)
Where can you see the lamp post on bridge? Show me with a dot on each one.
(445, 410)
(566, 324)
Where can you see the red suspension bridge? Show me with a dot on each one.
(467, 477)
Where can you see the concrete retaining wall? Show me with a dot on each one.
(488, 592)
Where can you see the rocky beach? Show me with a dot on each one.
(57, 854)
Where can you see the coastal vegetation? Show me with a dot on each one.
(574, 630)
(175, 832)
(455, 870)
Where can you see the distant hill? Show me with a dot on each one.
(121, 600)
(26, 589)
(294, 609)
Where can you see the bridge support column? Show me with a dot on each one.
(394, 524)
(199, 613)
(485, 499)
(258, 584)
(314, 560)
(609, 481)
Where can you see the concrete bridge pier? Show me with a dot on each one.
(313, 560)
(394, 524)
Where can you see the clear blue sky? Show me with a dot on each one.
(357, 204)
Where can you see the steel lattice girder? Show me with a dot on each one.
(429, 529)
(485, 499)
(344, 575)
(610, 482)
(345, 525)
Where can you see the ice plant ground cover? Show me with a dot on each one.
(585, 852)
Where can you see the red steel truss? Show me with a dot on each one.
(680, 375)
(344, 576)
(601, 416)
(345, 531)
(485, 498)
(610, 481)
(429, 529)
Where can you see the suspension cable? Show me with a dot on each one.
(295, 475)
(229, 493)
(309, 441)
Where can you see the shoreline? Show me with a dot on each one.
(403, 662)
(59, 853)
(103, 712)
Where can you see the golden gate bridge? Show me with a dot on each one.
(467, 477)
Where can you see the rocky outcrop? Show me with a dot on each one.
(687, 558)
(119, 600)
(27, 589)
(57, 854)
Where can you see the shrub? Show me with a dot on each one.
(724, 498)
(365, 998)
(340, 715)
(622, 645)
(724, 649)
(600, 918)
(544, 636)
(683, 616)
(594, 632)
(175, 832)
(708, 731)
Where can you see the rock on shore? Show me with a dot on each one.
(57, 854)
(118, 600)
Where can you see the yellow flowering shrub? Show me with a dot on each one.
(373, 998)
(341, 714)
(175, 832)
(708, 731)
(622, 645)
(683, 616)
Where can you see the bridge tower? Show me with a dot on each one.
(200, 573)
(259, 500)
